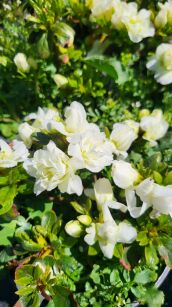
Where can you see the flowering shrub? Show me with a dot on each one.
(85, 150)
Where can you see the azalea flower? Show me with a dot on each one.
(161, 64)
(101, 9)
(122, 136)
(44, 119)
(75, 121)
(12, 154)
(104, 195)
(119, 9)
(25, 133)
(108, 233)
(154, 126)
(137, 23)
(91, 150)
(52, 167)
(124, 175)
(152, 195)
(21, 62)
(165, 14)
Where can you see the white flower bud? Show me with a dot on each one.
(21, 62)
(84, 219)
(60, 80)
(74, 228)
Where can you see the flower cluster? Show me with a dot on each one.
(138, 24)
(74, 144)
(125, 16)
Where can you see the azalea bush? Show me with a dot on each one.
(85, 150)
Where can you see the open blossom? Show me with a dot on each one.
(119, 9)
(101, 9)
(122, 136)
(108, 233)
(44, 119)
(91, 150)
(21, 62)
(52, 167)
(124, 175)
(165, 14)
(75, 121)
(154, 125)
(11, 154)
(104, 196)
(152, 195)
(161, 64)
(137, 23)
(25, 133)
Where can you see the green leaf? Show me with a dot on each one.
(7, 232)
(7, 195)
(40, 212)
(151, 255)
(48, 220)
(92, 251)
(157, 177)
(145, 276)
(142, 238)
(25, 290)
(154, 297)
(115, 279)
(119, 251)
(111, 66)
(78, 207)
(168, 179)
(61, 297)
(24, 281)
(95, 276)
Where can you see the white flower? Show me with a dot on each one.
(25, 133)
(52, 167)
(134, 125)
(124, 175)
(154, 125)
(108, 233)
(161, 64)
(122, 136)
(91, 150)
(11, 154)
(75, 121)
(165, 14)
(104, 195)
(152, 195)
(44, 119)
(102, 9)
(138, 23)
(119, 8)
(21, 62)
(84, 219)
(74, 228)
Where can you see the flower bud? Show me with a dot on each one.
(64, 34)
(43, 47)
(25, 133)
(60, 80)
(84, 219)
(21, 62)
(74, 228)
